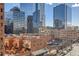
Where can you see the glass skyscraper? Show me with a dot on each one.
(36, 21)
(29, 24)
(38, 12)
(28, 8)
(39, 17)
(18, 19)
(62, 16)
(8, 23)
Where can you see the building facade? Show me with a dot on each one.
(18, 19)
(1, 28)
(36, 21)
(28, 8)
(26, 45)
(9, 28)
(39, 17)
(62, 16)
(8, 23)
(30, 24)
(35, 9)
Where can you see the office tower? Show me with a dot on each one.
(36, 21)
(8, 23)
(18, 18)
(1, 28)
(40, 11)
(8, 17)
(32, 9)
(28, 8)
(42, 14)
(9, 28)
(39, 17)
(30, 24)
(62, 16)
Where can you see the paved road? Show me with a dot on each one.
(74, 51)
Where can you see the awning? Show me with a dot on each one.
(41, 51)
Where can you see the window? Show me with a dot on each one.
(1, 39)
(1, 10)
(1, 17)
(1, 24)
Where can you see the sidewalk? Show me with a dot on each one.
(75, 50)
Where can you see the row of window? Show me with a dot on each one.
(1, 24)
(1, 10)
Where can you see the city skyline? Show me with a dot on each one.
(49, 13)
(60, 36)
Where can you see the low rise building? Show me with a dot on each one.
(26, 45)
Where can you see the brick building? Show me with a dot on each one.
(65, 34)
(1, 27)
(37, 43)
(26, 45)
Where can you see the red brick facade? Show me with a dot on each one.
(1, 27)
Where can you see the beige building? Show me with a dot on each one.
(65, 34)
(1, 27)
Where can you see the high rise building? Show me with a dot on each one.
(8, 17)
(34, 9)
(62, 16)
(9, 28)
(42, 14)
(18, 19)
(8, 23)
(40, 11)
(30, 24)
(36, 21)
(28, 8)
(1, 28)
(39, 17)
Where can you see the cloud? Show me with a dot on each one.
(75, 5)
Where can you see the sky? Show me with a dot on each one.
(49, 13)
